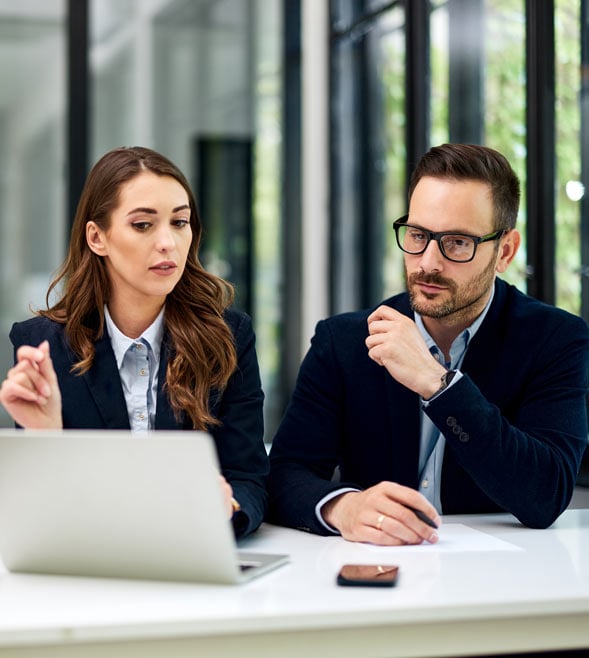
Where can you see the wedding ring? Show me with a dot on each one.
(379, 521)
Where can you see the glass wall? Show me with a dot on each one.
(462, 71)
(32, 143)
(569, 188)
(368, 151)
(201, 82)
(478, 88)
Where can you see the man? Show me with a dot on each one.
(462, 395)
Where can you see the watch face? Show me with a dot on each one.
(448, 377)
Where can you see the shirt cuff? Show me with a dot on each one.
(326, 499)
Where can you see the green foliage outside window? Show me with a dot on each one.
(568, 155)
(504, 102)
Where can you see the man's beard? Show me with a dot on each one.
(461, 299)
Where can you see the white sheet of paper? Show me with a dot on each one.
(456, 538)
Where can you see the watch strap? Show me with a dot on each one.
(445, 381)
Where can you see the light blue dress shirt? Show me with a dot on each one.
(138, 363)
(432, 441)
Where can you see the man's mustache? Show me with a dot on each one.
(431, 278)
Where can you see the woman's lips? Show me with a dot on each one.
(164, 269)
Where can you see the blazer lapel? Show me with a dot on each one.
(404, 425)
(104, 383)
(164, 416)
(489, 340)
(404, 421)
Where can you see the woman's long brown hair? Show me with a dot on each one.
(202, 348)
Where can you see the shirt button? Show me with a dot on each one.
(142, 372)
(139, 346)
(140, 416)
(425, 484)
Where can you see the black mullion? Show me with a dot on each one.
(350, 169)
(290, 338)
(540, 141)
(369, 216)
(417, 82)
(78, 102)
(466, 49)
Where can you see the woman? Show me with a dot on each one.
(141, 337)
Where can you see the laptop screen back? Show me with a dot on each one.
(115, 504)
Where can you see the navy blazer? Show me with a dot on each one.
(515, 424)
(96, 400)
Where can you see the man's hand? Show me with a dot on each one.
(394, 342)
(382, 515)
(30, 393)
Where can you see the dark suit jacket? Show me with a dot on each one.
(95, 400)
(515, 424)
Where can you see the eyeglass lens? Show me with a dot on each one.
(415, 241)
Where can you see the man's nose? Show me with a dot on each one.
(432, 259)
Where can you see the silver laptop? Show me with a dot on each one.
(119, 505)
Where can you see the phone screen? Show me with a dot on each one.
(368, 575)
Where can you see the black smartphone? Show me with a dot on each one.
(368, 575)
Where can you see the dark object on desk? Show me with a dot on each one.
(368, 575)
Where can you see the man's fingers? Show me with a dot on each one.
(410, 498)
(395, 504)
(379, 327)
(380, 538)
(383, 313)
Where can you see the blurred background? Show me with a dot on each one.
(297, 123)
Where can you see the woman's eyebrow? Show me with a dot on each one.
(153, 211)
(150, 211)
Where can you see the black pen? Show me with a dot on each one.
(424, 517)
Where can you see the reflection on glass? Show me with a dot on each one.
(569, 190)
(505, 103)
(32, 143)
(503, 93)
(392, 43)
(179, 75)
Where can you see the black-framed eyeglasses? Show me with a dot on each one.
(457, 247)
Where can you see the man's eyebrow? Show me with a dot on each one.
(153, 211)
(454, 232)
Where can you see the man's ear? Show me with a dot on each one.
(508, 248)
(94, 238)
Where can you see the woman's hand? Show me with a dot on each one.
(30, 393)
(227, 497)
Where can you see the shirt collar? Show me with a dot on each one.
(121, 343)
(467, 334)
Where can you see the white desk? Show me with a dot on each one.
(528, 591)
